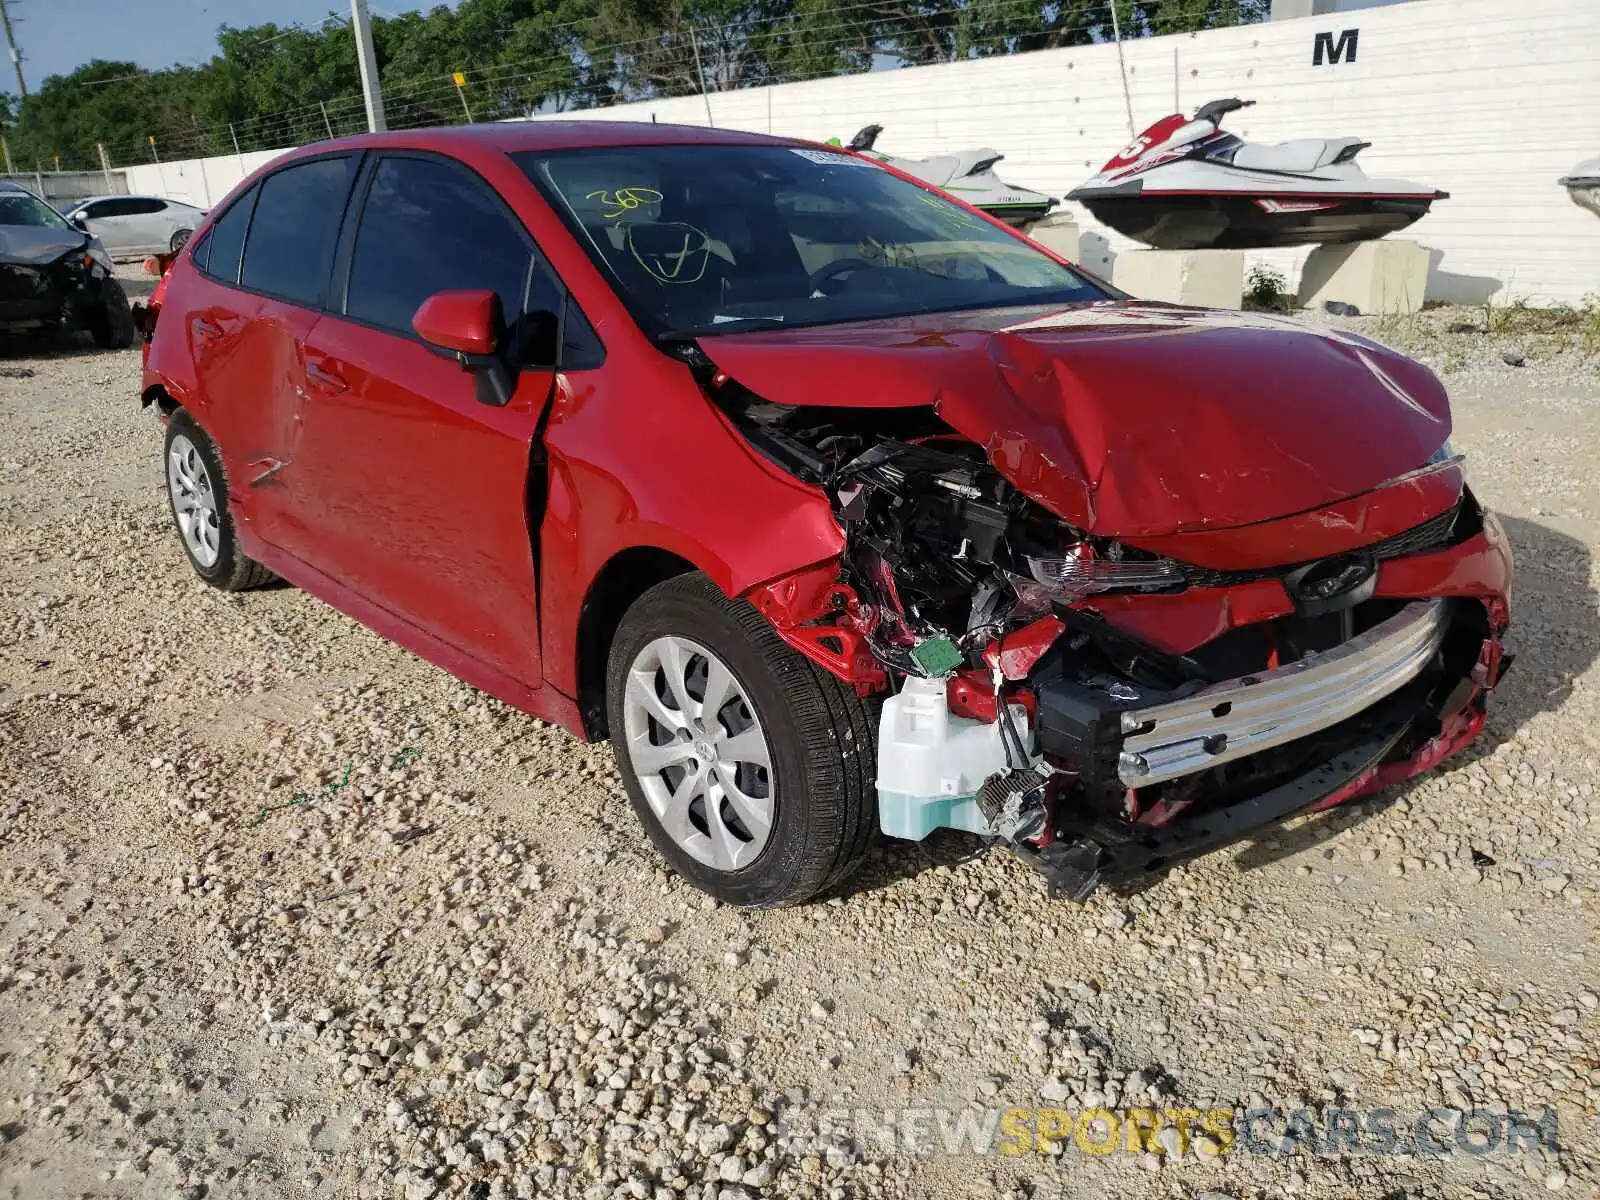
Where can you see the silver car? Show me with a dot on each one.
(130, 225)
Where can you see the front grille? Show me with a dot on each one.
(1433, 534)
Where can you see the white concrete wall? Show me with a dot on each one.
(198, 181)
(1490, 101)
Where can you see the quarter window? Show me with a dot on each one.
(226, 239)
(296, 222)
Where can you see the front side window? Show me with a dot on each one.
(427, 227)
(296, 223)
(26, 209)
(703, 239)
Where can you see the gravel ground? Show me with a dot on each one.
(286, 912)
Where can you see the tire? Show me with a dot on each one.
(180, 239)
(215, 555)
(820, 738)
(111, 322)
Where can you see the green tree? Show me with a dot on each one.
(273, 85)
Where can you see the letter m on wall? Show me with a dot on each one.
(1326, 50)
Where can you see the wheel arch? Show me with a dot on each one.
(626, 576)
(158, 396)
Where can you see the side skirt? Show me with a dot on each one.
(545, 703)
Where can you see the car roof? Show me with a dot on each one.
(76, 200)
(511, 137)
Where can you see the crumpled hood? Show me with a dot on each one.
(1129, 418)
(28, 246)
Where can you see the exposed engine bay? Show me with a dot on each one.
(1026, 708)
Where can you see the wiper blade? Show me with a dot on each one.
(718, 325)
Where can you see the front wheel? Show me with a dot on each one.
(111, 321)
(752, 770)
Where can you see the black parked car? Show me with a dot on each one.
(54, 277)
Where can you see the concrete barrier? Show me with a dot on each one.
(1206, 278)
(1385, 276)
(1058, 232)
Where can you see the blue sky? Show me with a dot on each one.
(59, 35)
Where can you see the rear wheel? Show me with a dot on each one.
(751, 769)
(197, 493)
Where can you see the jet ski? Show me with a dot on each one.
(1186, 184)
(1583, 185)
(969, 175)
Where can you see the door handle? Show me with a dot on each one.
(207, 329)
(325, 378)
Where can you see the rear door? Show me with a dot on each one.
(146, 222)
(112, 221)
(265, 266)
(412, 491)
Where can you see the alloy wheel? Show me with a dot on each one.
(699, 752)
(194, 504)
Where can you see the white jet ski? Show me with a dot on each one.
(968, 175)
(1583, 185)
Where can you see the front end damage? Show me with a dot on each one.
(1109, 706)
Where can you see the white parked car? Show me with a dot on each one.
(130, 225)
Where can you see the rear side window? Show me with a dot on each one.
(296, 223)
(200, 252)
(225, 242)
(429, 227)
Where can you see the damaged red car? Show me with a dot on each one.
(836, 506)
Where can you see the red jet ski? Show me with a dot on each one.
(1186, 184)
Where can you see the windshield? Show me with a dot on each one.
(706, 239)
(26, 209)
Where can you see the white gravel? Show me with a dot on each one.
(286, 912)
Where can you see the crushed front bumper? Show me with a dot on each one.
(1257, 712)
(1390, 703)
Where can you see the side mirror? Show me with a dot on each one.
(470, 326)
(466, 323)
(80, 221)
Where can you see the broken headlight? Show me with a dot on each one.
(1081, 571)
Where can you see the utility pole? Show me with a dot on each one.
(16, 55)
(361, 22)
(105, 164)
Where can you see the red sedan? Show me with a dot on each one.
(837, 506)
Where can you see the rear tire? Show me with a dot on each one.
(111, 322)
(820, 748)
(197, 496)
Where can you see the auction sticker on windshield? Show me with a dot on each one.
(832, 158)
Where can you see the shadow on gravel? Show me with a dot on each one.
(56, 345)
(1555, 634)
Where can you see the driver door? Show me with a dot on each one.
(410, 490)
